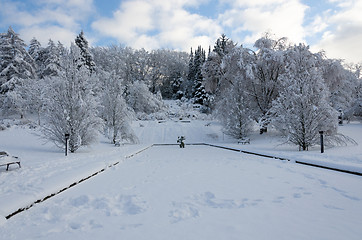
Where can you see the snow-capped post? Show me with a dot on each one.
(340, 116)
(322, 143)
(180, 140)
(66, 143)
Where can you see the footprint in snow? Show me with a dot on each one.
(297, 195)
(79, 201)
(132, 205)
(209, 199)
(183, 211)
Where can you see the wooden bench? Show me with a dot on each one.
(244, 141)
(7, 160)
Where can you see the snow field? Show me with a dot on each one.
(45, 170)
(199, 193)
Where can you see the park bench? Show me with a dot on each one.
(7, 160)
(244, 141)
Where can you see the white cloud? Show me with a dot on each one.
(43, 34)
(128, 23)
(253, 3)
(59, 20)
(253, 18)
(343, 37)
(154, 24)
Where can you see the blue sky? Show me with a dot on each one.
(334, 26)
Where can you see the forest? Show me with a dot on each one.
(84, 90)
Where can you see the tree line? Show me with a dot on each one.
(282, 85)
(80, 90)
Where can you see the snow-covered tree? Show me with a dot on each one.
(167, 72)
(72, 105)
(268, 65)
(86, 56)
(233, 108)
(16, 66)
(115, 112)
(51, 57)
(196, 88)
(15, 62)
(36, 51)
(212, 68)
(341, 83)
(142, 100)
(302, 108)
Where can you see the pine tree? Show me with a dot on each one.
(190, 75)
(16, 67)
(212, 69)
(15, 62)
(36, 51)
(86, 56)
(195, 74)
(51, 60)
(223, 45)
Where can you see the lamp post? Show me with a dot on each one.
(66, 143)
(322, 142)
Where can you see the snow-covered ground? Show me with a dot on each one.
(166, 192)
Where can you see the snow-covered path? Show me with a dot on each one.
(199, 193)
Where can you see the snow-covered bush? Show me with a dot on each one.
(142, 100)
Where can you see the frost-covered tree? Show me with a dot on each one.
(72, 105)
(142, 100)
(212, 68)
(115, 112)
(302, 108)
(167, 72)
(341, 83)
(196, 88)
(268, 65)
(16, 66)
(36, 51)
(86, 56)
(233, 108)
(51, 60)
(15, 62)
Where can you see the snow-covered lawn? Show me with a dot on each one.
(166, 192)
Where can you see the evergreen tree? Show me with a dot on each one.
(51, 60)
(190, 75)
(37, 52)
(15, 62)
(35, 49)
(194, 77)
(223, 46)
(212, 69)
(16, 67)
(86, 56)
